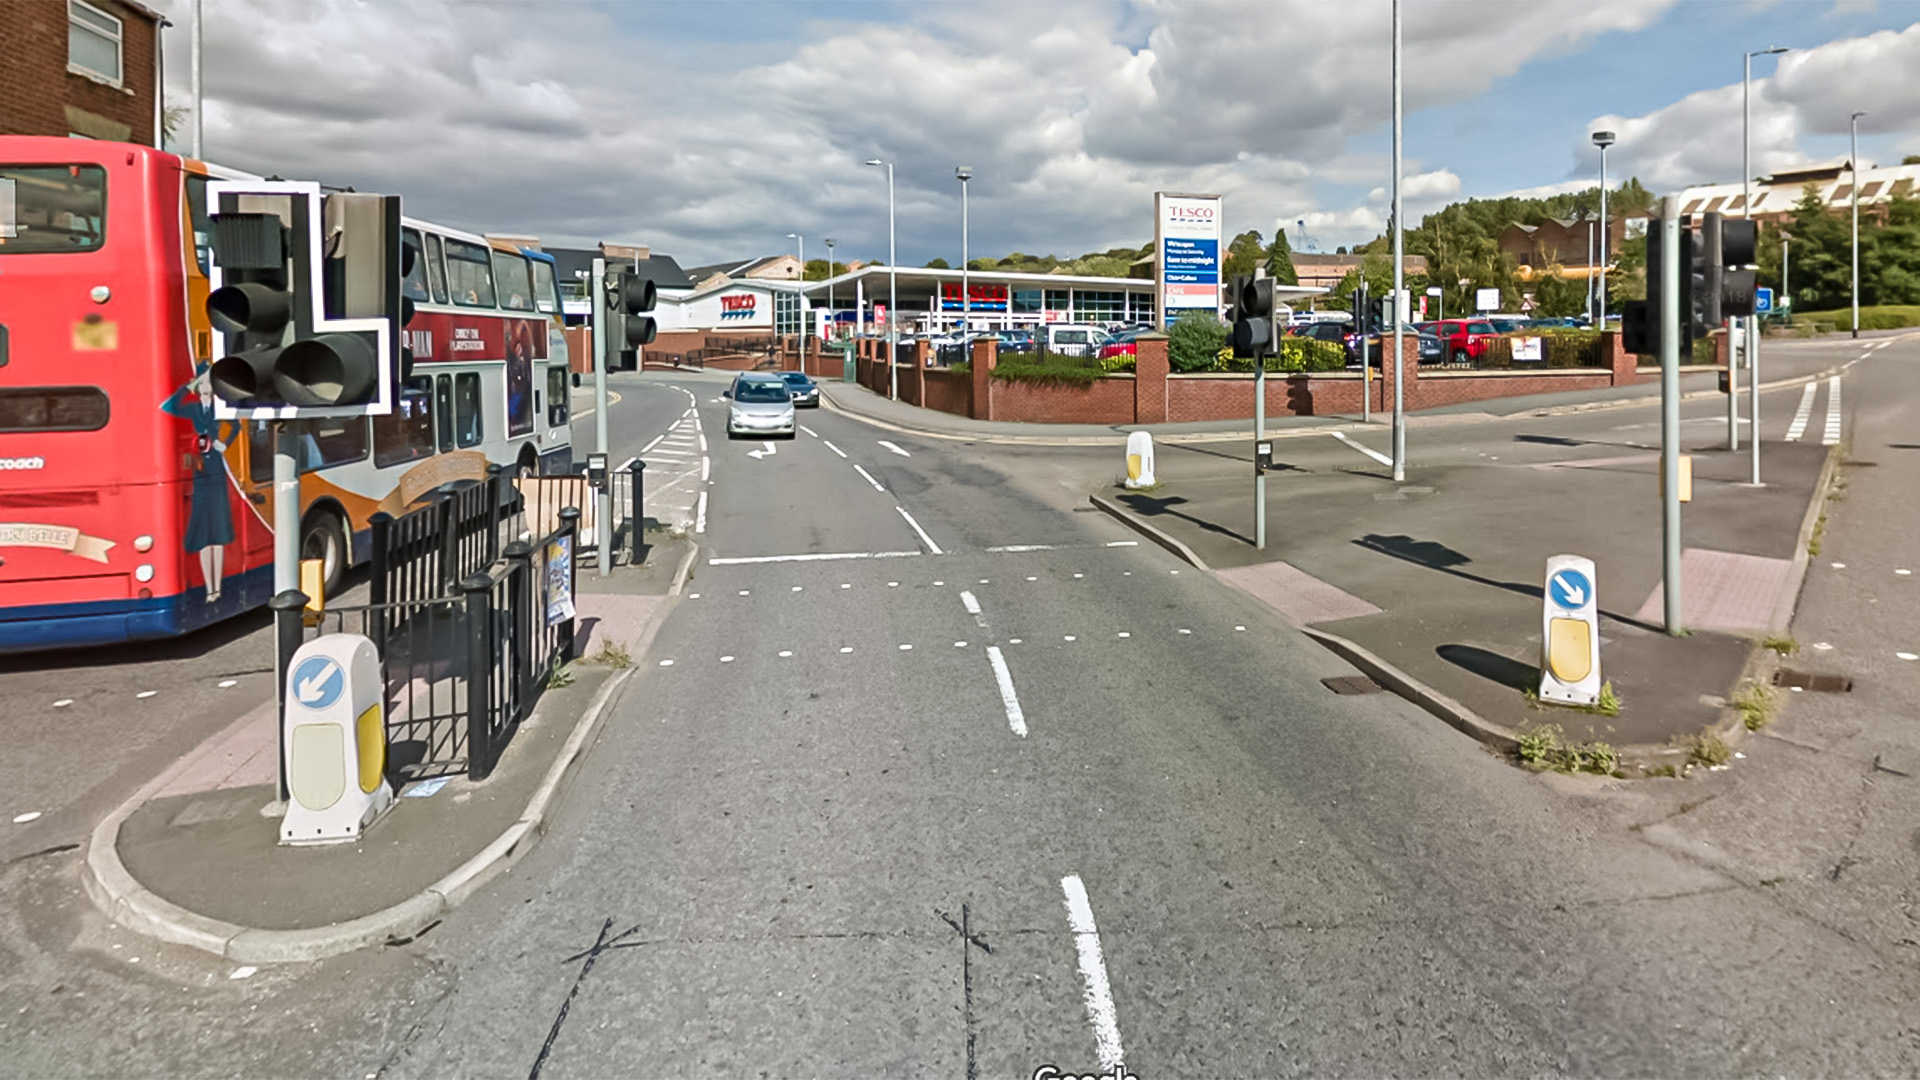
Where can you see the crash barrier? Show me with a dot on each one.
(461, 671)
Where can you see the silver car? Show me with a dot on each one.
(759, 405)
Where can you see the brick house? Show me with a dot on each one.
(1328, 271)
(80, 67)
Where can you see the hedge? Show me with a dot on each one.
(1883, 317)
(1296, 355)
(1048, 374)
(1558, 349)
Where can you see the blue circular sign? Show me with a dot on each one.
(317, 682)
(1570, 589)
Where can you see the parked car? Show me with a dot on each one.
(1015, 340)
(759, 404)
(1508, 324)
(805, 392)
(1464, 340)
(1122, 344)
(1074, 339)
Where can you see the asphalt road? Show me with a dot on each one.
(1046, 796)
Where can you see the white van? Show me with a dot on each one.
(1075, 339)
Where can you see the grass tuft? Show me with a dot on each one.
(560, 676)
(1708, 749)
(1541, 747)
(1759, 705)
(1781, 644)
(614, 655)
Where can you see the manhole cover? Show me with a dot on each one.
(1351, 684)
(1828, 684)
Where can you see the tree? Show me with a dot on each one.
(1910, 159)
(818, 270)
(1243, 253)
(938, 264)
(1278, 258)
(172, 118)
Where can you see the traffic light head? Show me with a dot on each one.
(1253, 332)
(1738, 251)
(309, 329)
(628, 297)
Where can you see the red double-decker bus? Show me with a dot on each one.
(127, 509)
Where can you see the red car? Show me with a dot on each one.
(1122, 344)
(1464, 340)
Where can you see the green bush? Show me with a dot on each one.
(1194, 343)
(1886, 317)
(1118, 362)
(1570, 348)
(1048, 374)
(1703, 351)
(1296, 355)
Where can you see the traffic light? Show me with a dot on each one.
(1692, 322)
(1637, 335)
(1730, 245)
(288, 350)
(1254, 333)
(1359, 299)
(628, 297)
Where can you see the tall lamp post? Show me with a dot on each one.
(800, 245)
(830, 314)
(1786, 274)
(1399, 281)
(1752, 336)
(893, 292)
(964, 173)
(1603, 139)
(1853, 170)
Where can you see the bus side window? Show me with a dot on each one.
(202, 227)
(406, 433)
(443, 411)
(546, 296)
(317, 444)
(557, 397)
(516, 281)
(415, 285)
(468, 416)
(436, 270)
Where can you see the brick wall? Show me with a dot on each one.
(1109, 401)
(949, 392)
(38, 96)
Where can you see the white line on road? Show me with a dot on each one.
(1833, 412)
(1123, 543)
(1803, 413)
(700, 515)
(703, 443)
(654, 443)
(1370, 452)
(1023, 547)
(971, 601)
(809, 431)
(870, 479)
(932, 548)
(834, 448)
(767, 453)
(1016, 719)
(706, 467)
(1093, 969)
(813, 556)
(894, 448)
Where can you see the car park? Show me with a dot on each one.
(1074, 339)
(805, 392)
(760, 404)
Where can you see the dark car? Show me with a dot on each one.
(806, 393)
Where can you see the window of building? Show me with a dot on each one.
(406, 433)
(415, 285)
(436, 270)
(93, 42)
(516, 281)
(469, 426)
(1842, 193)
(1026, 301)
(1871, 190)
(786, 313)
(470, 272)
(51, 208)
(1057, 300)
(557, 396)
(317, 444)
(545, 296)
(1093, 306)
(38, 409)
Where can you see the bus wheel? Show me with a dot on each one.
(323, 538)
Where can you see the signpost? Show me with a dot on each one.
(1486, 299)
(1186, 254)
(1570, 633)
(1763, 301)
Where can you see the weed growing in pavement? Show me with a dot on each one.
(1121, 482)
(1819, 534)
(613, 654)
(1541, 747)
(561, 676)
(1708, 749)
(1781, 644)
(1660, 770)
(1759, 705)
(1607, 704)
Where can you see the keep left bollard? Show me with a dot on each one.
(335, 741)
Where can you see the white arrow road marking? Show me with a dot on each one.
(767, 453)
(1803, 413)
(932, 548)
(1374, 454)
(894, 448)
(1016, 720)
(310, 690)
(1093, 970)
(1577, 595)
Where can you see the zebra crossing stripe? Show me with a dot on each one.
(1802, 414)
(1832, 436)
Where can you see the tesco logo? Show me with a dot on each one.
(738, 306)
(1193, 213)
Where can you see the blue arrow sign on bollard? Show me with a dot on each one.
(317, 682)
(1570, 589)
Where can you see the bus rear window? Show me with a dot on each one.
(52, 408)
(52, 208)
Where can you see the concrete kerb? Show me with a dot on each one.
(128, 903)
(684, 571)
(1133, 521)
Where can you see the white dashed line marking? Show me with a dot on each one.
(1802, 414)
(1124, 634)
(744, 592)
(1903, 572)
(651, 445)
(1093, 971)
(706, 468)
(829, 445)
(225, 683)
(22, 819)
(144, 694)
(870, 479)
(1016, 719)
(63, 703)
(1832, 435)
(1184, 630)
(1907, 656)
(932, 548)
(796, 588)
(700, 515)
(1240, 628)
(846, 648)
(1122, 543)
(726, 659)
(1022, 547)
(1013, 641)
(906, 648)
(972, 603)
(1033, 579)
(809, 431)
(666, 663)
(786, 652)
(1070, 637)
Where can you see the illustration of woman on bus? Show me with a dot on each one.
(210, 516)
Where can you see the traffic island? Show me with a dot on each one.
(1434, 588)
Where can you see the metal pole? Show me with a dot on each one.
(1853, 170)
(1259, 433)
(893, 299)
(603, 501)
(1589, 272)
(1753, 392)
(286, 510)
(1601, 323)
(1786, 275)
(966, 281)
(199, 109)
(1670, 324)
(1399, 281)
(830, 314)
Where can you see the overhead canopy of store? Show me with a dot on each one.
(917, 285)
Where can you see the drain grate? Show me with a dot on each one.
(1351, 684)
(1827, 684)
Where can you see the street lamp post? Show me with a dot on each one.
(1853, 170)
(893, 292)
(1786, 274)
(965, 173)
(830, 313)
(1752, 336)
(1399, 281)
(800, 245)
(1603, 139)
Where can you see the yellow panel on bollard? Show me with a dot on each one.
(336, 742)
(1570, 633)
(1140, 460)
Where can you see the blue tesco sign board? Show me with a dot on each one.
(1762, 301)
(1195, 262)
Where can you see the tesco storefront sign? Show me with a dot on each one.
(739, 307)
(1187, 253)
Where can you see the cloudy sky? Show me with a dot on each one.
(712, 130)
